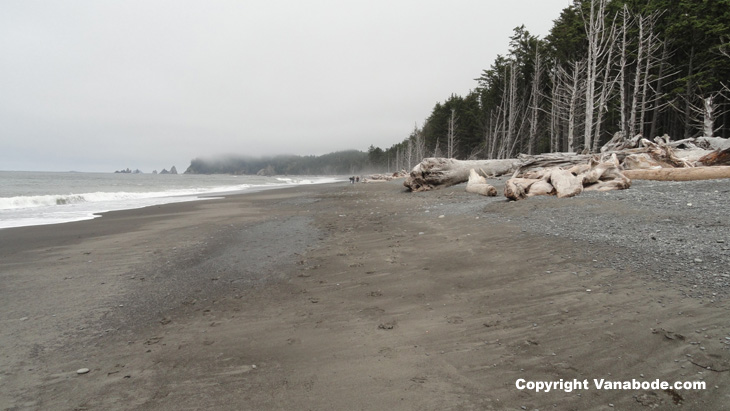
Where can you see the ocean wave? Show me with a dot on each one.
(11, 203)
(35, 201)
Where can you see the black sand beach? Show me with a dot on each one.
(366, 297)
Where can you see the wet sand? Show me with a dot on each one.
(341, 297)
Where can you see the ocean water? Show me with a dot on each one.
(37, 198)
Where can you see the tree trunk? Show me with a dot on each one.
(434, 173)
(478, 185)
(566, 184)
(680, 174)
(718, 157)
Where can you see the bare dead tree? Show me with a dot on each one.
(408, 160)
(607, 84)
(600, 41)
(512, 108)
(705, 112)
(725, 51)
(555, 110)
(657, 91)
(574, 77)
(419, 144)
(437, 149)
(535, 102)
(648, 46)
(452, 138)
(493, 132)
(623, 63)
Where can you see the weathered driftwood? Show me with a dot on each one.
(477, 184)
(640, 153)
(379, 178)
(517, 188)
(626, 154)
(569, 182)
(716, 158)
(680, 174)
(434, 172)
(712, 143)
(549, 160)
(619, 143)
(541, 188)
(566, 183)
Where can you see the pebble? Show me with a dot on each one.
(442, 216)
(82, 371)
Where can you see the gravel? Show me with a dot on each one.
(677, 231)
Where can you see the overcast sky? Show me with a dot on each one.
(104, 85)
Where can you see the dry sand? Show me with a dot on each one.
(343, 297)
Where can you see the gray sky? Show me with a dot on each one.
(104, 85)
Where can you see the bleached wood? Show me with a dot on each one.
(540, 187)
(516, 188)
(680, 174)
(566, 183)
(477, 184)
(433, 173)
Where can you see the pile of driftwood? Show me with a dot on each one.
(569, 174)
(381, 178)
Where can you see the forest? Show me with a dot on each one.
(337, 163)
(649, 67)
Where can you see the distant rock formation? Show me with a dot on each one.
(128, 171)
(173, 170)
(164, 171)
(154, 171)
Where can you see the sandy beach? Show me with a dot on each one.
(366, 297)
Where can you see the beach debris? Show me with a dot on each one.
(600, 176)
(636, 158)
(437, 172)
(381, 178)
(477, 184)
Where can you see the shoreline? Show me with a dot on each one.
(85, 202)
(347, 297)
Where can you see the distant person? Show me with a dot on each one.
(357, 179)
(352, 180)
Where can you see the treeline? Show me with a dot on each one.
(650, 67)
(338, 163)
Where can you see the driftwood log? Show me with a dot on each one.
(602, 176)
(680, 174)
(436, 172)
(478, 185)
(381, 178)
(716, 158)
(619, 153)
